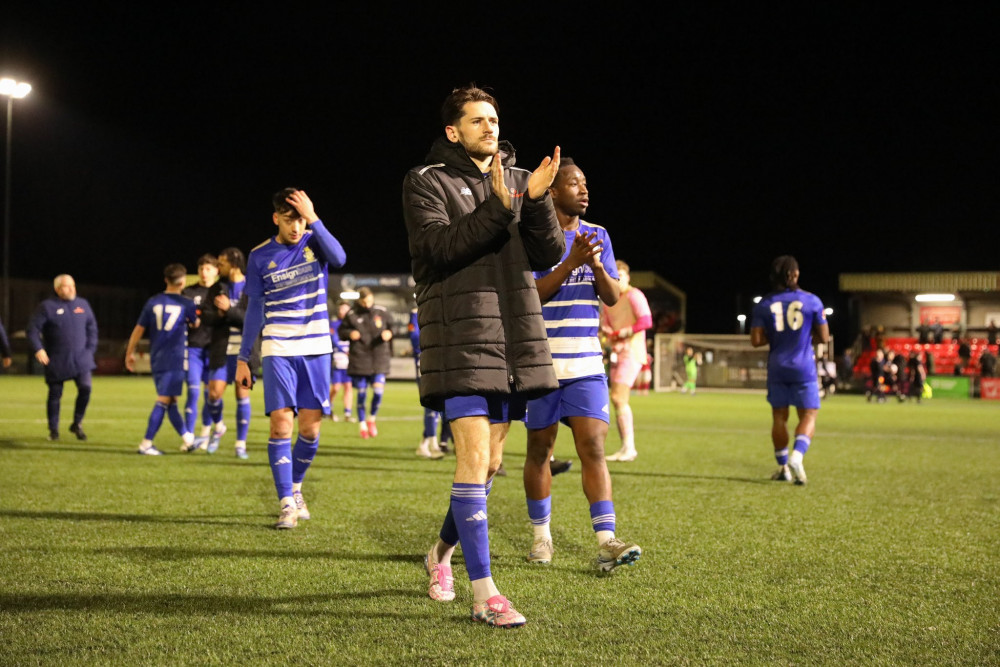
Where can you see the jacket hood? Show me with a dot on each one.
(453, 155)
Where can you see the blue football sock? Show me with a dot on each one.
(215, 410)
(155, 420)
(242, 418)
(468, 505)
(430, 423)
(781, 456)
(376, 400)
(191, 407)
(176, 420)
(206, 414)
(279, 455)
(302, 457)
(802, 443)
(449, 532)
(362, 397)
(602, 515)
(540, 511)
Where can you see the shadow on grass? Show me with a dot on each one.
(46, 445)
(231, 520)
(673, 475)
(152, 603)
(186, 553)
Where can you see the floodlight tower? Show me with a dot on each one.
(12, 90)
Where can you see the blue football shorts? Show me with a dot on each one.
(577, 397)
(499, 408)
(300, 383)
(362, 381)
(800, 394)
(169, 383)
(197, 358)
(339, 376)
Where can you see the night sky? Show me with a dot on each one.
(713, 136)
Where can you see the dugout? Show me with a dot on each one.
(964, 302)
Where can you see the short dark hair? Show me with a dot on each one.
(783, 272)
(208, 258)
(563, 163)
(235, 258)
(364, 291)
(281, 206)
(175, 273)
(454, 105)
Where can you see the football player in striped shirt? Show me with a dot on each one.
(287, 302)
(571, 294)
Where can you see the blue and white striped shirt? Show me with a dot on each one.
(287, 295)
(572, 315)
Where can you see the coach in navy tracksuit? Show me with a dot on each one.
(63, 336)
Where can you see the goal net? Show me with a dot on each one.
(727, 361)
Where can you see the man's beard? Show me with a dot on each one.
(478, 151)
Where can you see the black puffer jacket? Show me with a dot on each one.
(481, 327)
(369, 354)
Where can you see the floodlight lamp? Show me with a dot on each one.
(934, 297)
(21, 90)
(741, 318)
(756, 299)
(7, 86)
(828, 311)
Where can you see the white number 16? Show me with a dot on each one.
(794, 316)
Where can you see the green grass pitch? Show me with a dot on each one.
(891, 554)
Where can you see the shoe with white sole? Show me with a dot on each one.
(615, 553)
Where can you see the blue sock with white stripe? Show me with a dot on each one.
(802, 443)
(602, 515)
(468, 506)
(242, 418)
(215, 410)
(302, 457)
(155, 420)
(279, 455)
(376, 400)
(176, 420)
(362, 397)
(781, 456)
(430, 423)
(540, 513)
(191, 407)
(449, 531)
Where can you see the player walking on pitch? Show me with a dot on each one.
(477, 228)
(571, 293)
(287, 299)
(791, 320)
(166, 316)
(625, 325)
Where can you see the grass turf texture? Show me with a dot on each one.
(889, 555)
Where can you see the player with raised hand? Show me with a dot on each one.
(478, 227)
(572, 293)
(287, 303)
(791, 320)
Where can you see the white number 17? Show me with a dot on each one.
(793, 315)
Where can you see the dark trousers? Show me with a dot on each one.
(83, 386)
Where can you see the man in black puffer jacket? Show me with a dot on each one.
(367, 327)
(477, 228)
